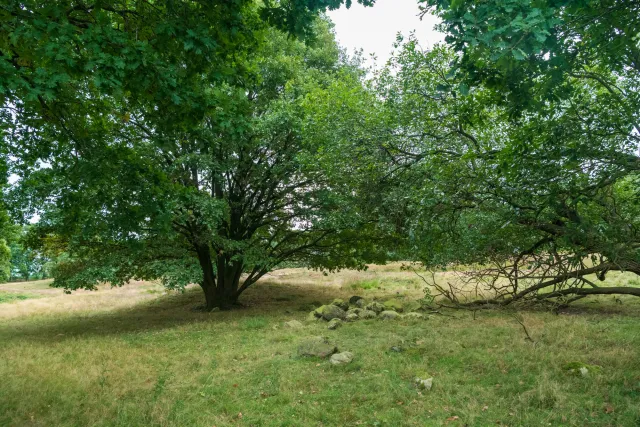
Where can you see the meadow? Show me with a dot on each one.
(141, 356)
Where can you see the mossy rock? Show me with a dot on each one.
(354, 299)
(389, 315)
(334, 324)
(375, 307)
(316, 347)
(367, 314)
(394, 304)
(352, 317)
(341, 303)
(313, 317)
(329, 312)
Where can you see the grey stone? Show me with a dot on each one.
(316, 347)
(341, 358)
(375, 306)
(367, 314)
(293, 324)
(328, 312)
(360, 303)
(354, 299)
(334, 324)
(389, 315)
(352, 317)
(341, 303)
(425, 384)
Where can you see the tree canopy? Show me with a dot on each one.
(195, 193)
(201, 142)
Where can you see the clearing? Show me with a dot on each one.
(139, 356)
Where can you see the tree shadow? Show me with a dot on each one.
(165, 312)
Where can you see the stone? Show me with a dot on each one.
(334, 324)
(413, 315)
(293, 324)
(354, 299)
(352, 317)
(411, 306)
(353, 310)
(393, 304)
(424, 384)
(316, 347)
(312, 317)
(341, 303)
(360, 303)
(397, 349)
(584, 372)
(328, 312)
(367, 314)
(341, 358)
(375, 306)
(389, 315)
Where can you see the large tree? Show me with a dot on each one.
(165, 139)
(197, 199)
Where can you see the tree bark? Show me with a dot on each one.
(229, 272)
(208, 284)
(220, 286)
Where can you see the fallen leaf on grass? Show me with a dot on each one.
(608, 409)
(484, 408)
(454, 418)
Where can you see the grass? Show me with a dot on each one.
(128, 357)
(11, 297)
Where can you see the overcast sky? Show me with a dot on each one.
(374, 28)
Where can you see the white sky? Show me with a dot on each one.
(374, 28)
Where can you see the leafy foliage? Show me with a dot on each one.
(199, 195)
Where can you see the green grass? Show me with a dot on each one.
(12, 297)
(162, 364)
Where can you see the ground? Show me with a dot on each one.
(137, 356)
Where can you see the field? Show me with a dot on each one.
(138, 356)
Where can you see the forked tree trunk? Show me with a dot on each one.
(221, 289)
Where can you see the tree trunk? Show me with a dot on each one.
(229, 272)
(221, 289)
(208, 283)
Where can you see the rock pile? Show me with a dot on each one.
(357, 308)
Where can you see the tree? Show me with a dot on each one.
(197, 199)
(6, 234)
(543, 203)
(567, 176)
(26, 263)
(532, 52)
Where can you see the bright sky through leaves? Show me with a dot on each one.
(374, 29)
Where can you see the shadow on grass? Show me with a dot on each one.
(165, 312)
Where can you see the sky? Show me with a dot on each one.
(374, 28)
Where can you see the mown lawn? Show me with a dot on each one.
(139, 357)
